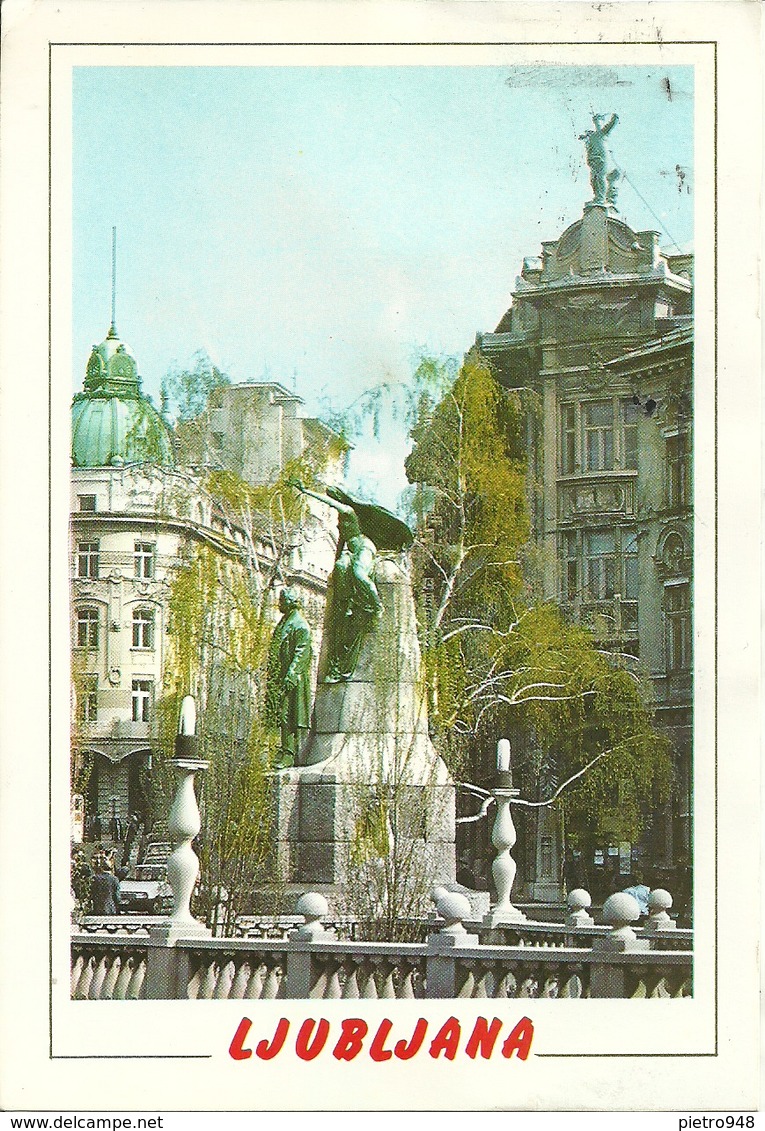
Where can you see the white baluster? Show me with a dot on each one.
(137, 979)
(99, 974)
(351, 987)
(272, 982)
(76, 972)
(239, 985)
(123, 981)
(255, 985)
(107, 991)
(183, 825)
(209, 980)
(83, 986)
(503, 868)
(225, 982)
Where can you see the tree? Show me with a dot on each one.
(498, 661)
(217, 644)
(221, 606)
(189, 389)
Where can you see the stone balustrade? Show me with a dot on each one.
(105, 969)
(312, 963)
(560, 935)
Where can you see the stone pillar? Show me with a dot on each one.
(441, 968)
(167, 969)
(609, 979)
(300, 972)
(503, 868)
(593, 252)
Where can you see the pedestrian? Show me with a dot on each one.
(105, 887)
(639, 891)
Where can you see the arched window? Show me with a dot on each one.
(143, 628)
(87, 628)
(673, 553)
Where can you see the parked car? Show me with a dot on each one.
(146, 890)
(157, 852)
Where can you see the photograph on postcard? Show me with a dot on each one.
(378, 446)
(382, 534)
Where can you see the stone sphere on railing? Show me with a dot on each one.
(578, 900)
(621, 909)
(659, 900)
(312, 905)
(451, 905)
(659, 903)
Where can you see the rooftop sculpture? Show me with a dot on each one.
(604, 180)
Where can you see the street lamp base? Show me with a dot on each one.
(504, 916)
(167, 930)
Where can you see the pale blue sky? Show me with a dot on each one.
(325, 226)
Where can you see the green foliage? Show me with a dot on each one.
(497, 661)
(218, 649)
(277, 505)
(371, 834)
(468, 453)
(188, 390)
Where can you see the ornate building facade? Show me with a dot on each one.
(138, 513)
(600, 328)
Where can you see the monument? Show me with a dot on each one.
(288, 685)
(368, 792)
(604, 181)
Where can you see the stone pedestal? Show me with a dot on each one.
(370, 775)
(593, 254)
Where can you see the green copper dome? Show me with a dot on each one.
(112, 422)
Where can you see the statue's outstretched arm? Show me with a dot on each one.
(610, 124)
(341, 507)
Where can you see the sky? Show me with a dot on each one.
(325, 227)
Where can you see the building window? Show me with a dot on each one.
(673, 555)
(142, 696)
(87, 699)
(143, 559)
(678, 472)
(87, 559)
(630, 565)
(630, 412)
(677, 610)
(596, 565)
(143, 628)
(568, 439)
(600, 564)
(598, 436)
(87, 628)
(87, 503)
(571, 584)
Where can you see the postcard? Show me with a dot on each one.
(380, 490)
